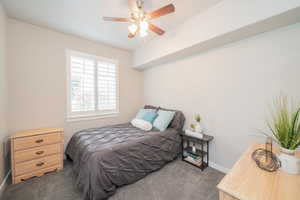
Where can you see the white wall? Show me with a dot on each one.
(37, 78)
(229, 20)
(3, 94)
(230, 87)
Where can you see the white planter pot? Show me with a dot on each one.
(289, 163)
(198, 128)
(287, 151)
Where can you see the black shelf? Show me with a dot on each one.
(206, 138)
(198, 151)
(202, 150)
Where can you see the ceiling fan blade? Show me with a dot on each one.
(162, 11)
(156, 29)
(116, 19)
(130, 35)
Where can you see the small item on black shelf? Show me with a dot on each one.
(193, 134)
(265, 158)
(194, 148)
(193, 155)
(196, 161)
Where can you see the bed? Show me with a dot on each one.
(112, 156)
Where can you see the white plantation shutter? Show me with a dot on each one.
(107, 86)
(82, 84)
(92, 85)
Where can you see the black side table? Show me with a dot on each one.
(197, 156)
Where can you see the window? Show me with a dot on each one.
(92, 86)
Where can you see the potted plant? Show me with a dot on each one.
(193, 127)
(285, 128)
(198, 126)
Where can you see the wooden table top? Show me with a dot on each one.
(246, 181)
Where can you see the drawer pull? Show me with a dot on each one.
(40, 164)
(39, 152)
(39, 141)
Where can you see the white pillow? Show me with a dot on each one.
(139, 123)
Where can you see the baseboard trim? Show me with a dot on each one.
(4, 184)
(219, 167)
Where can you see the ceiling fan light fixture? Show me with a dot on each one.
(143, 33)
(133, 28)
(135, 15)
(144, 25)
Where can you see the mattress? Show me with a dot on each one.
(112, 156)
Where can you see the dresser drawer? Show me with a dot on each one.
(36, 173)
(37, 152)
(33, 165)
(37, 140)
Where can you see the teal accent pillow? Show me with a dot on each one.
(150, 116)
(142, 112)
(163, 119)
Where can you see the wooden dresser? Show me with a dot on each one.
(35, 152)
(246, 181)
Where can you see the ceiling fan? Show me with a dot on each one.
(139, 19)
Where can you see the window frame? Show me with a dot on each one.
(90, 115)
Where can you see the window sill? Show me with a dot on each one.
(76, 118)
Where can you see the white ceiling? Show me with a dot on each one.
(83, 17)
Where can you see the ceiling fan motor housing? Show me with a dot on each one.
(140, 14)
(139, 4)
(139, 19)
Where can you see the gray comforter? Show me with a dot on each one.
(109, 157)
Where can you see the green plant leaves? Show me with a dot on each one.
(198, 118)
(285, 124)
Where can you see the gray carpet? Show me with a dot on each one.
(176, 181)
